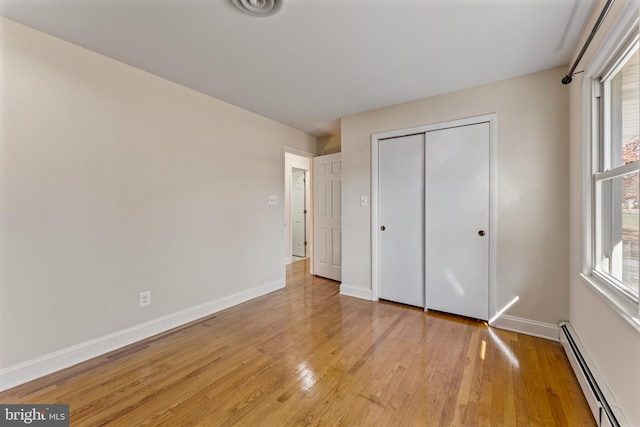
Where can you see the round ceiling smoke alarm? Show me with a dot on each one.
(257, 7)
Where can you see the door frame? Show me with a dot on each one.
(492, 119)
(286, 223)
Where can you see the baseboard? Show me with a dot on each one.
(528, 327)
(52, 362)
(288, 260)
(357, 292)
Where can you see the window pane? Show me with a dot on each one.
(625, 113)
(619, 229)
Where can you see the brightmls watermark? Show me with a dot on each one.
(34, 415)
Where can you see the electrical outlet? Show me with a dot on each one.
(273, 200)
(145, 298)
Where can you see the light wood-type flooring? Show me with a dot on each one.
(306, 355)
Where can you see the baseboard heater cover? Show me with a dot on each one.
(600, 400)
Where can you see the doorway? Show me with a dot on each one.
(300, 161)
(445, 267)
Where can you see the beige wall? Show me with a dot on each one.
(611, 342)
(329, 144)
(533, 191)
(114, 181)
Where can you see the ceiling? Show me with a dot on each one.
(318, 60)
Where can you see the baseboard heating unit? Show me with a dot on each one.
(600, 400)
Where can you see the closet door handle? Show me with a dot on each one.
(382, 228)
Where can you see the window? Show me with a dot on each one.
(616, 178)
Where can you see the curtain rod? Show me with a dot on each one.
(605, 10)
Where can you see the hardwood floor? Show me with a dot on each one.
(305, 355)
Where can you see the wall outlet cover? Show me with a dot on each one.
(145, 298)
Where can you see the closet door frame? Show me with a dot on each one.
(492, 119)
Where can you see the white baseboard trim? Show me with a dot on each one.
(528, 327)
(52, 362)
(353, 291)
(288, 260)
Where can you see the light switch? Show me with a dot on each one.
(364, 201)
(273, 200)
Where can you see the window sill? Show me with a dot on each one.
(620, 304)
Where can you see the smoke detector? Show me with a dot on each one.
(257, 7)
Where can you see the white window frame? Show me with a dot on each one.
(624, 34)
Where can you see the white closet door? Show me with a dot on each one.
(401, 219)
(457, 220)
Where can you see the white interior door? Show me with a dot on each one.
(298, 213)
(401, 219)
(457, 220)
(327, 216)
